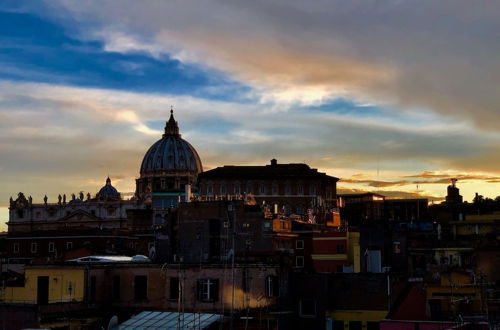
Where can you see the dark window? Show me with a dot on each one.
(299, 261)
(93, 288)
(42, 290)
(116, 287)
(272, 286)
(20, 214)
(141, 287)
(299, 244)
(338, 325)
(92, 212)
(174, 288)
(340, 248)
(340, 268)
(208, 289)
(16, 247)
(308, 308)
(372, 326)
(354, 325)
(214, 227)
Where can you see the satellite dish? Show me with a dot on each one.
(113, 322)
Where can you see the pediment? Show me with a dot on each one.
(79, 216)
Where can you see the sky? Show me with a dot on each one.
(393, 96)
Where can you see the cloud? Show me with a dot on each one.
(392, 194)
(60, 139)
(411, 55)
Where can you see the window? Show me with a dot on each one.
(34, 247)
(116, 287)
(52, 247)
(340, 248)
(262, 189)
(140, 287)
(92, 212)
(20, 214)
(397, 247)
(163, 184)
(307, 308)
(223, 189)
(354, 325)
(288, 189)
(249, 187)
(210, 189)
(275, 189)
(69, 245)
(16, 247)
(312, 190)
(93, 288)
(300, 189)
(338, 324)
(299, 261)
(38, 215)
(174, 288)
(208, 289)
(272, 286)
(299, 244)
(237, 188)
(372, 325)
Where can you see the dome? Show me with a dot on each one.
(171, 153)
(108, 191)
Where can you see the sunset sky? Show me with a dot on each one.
(385, 95)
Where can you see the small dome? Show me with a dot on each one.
(108, 191)
(171, 153)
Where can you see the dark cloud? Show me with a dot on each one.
(437, 55)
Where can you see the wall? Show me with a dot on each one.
(60, 280)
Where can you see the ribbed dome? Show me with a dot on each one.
(171, 153)
(108, 191)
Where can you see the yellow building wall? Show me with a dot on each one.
(60, 282)
(357, 315)
(354, 251)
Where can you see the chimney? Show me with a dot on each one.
(274, 162)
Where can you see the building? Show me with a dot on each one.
(106, 210)
(357, 208)
(293, 188)
(44, 232)
(169, 171)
